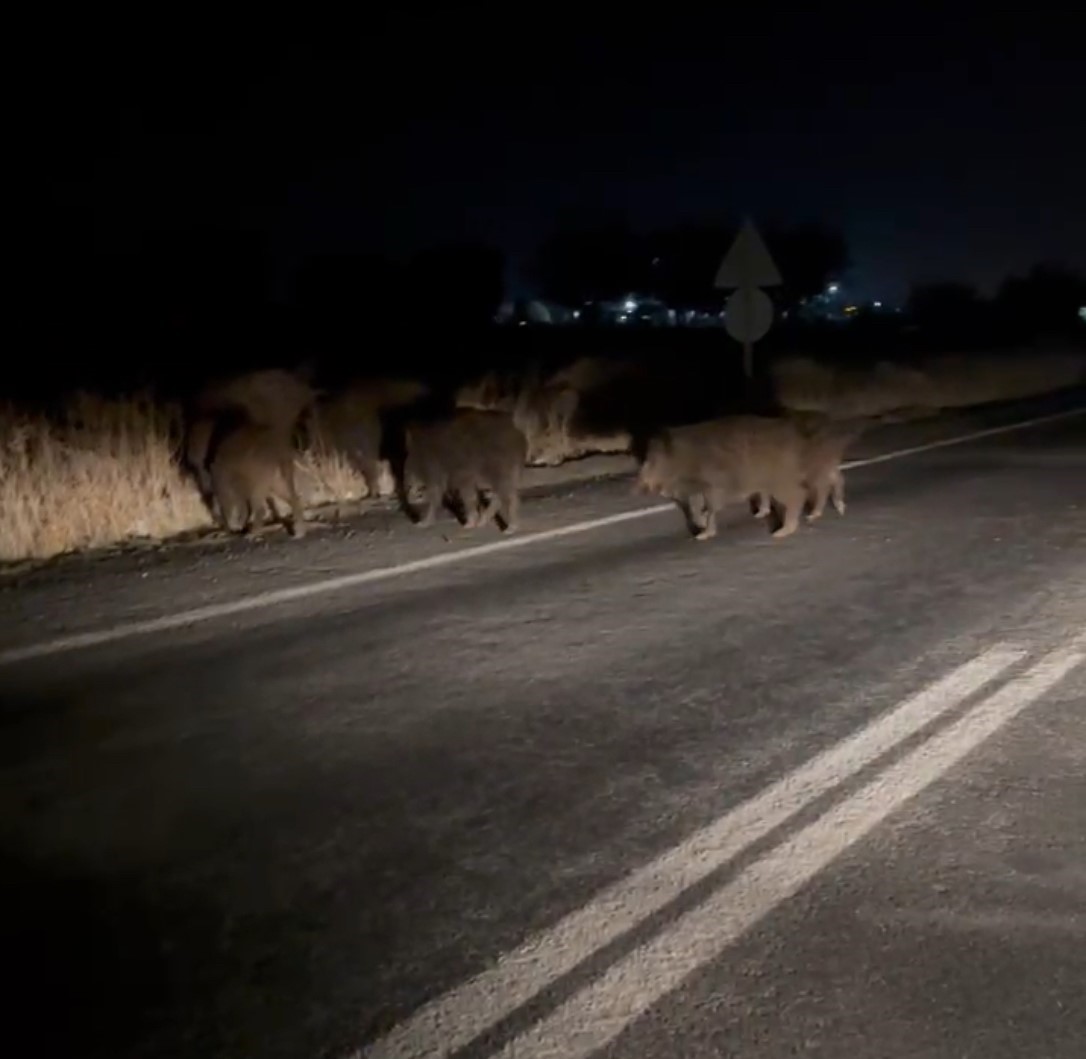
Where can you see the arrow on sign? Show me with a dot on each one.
(748, 263)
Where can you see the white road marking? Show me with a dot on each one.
(276, 597)
(975, 435)
(596, 1015)
(450, 1021)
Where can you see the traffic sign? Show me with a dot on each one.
(748, 263)
(748, 314)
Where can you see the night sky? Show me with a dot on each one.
(945, 148)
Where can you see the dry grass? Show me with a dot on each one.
(941, 382)
(327, 476)
(961, 381)
(809, 386)
(545, 409)
(108, 471)
(105, 471)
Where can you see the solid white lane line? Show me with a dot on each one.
(958, 439)
(452, 1020)
(278, 596)
(596, 1015)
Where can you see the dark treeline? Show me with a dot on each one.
(198, 303)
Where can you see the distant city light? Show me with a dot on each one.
(629, 305)
(878, 305)
(850, 309)
(833, 288)
(1082, 314)
(576, 314)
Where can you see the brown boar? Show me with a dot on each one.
(709, 464)
(253, 465)
(273, 398)
(352, 420)
(825, 442)
(465, 453)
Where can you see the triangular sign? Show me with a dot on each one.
(748, 263)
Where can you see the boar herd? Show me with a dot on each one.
(472, 460)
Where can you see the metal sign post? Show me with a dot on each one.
(748, 312)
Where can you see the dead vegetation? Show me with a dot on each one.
(103, 472)
(100, 472)
(806, 385)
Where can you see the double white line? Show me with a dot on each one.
(596, 1014)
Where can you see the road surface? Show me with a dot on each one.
(607, 792)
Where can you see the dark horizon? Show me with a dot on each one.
(947, 149)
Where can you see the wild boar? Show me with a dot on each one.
(353, 421)
(825, 442)
(272, 397)
(464, 453)
(253, 464)
(709, 464)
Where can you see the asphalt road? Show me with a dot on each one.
(608, 792)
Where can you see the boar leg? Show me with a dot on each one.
(468, 493)
(255, 517)
(693, 509)
(508, 495)
(837, 491)
(297, 511)
(435, 497)
(370, 470)
(503, 500)
(712, 501)
(819, 494)
(762, 506)
(792, 500)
